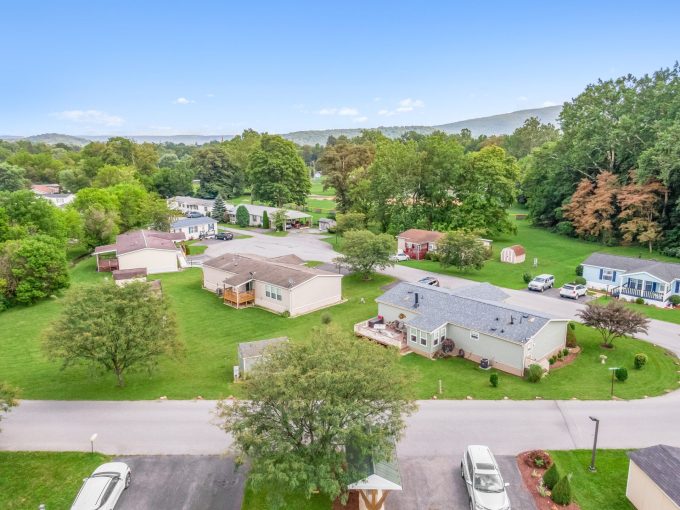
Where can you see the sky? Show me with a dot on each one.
(201, 67)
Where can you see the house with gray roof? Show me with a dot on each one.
(630, 278)
(193, 228)
(192, 204)
(250, 353)
(294, 219)
(278, 284)
(654, 478)
(475, 319)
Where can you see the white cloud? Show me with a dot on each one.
(404, 106)
(93, 117)
(360, 119)
(522, 98)
(183, 100)
(549, 103)
(345, 111)
(210, 95)
(377, 99)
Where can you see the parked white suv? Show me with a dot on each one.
(485, 486)
(573, 290)
(101, 490)
(542, 282)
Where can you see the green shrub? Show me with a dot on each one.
(572, 325)
(561, 493)
(242, 216)
(285, 314)
(493, 379)
(560, 355)
(674, 300)
(580, 280)
(571, 338)
(551, 476)
(579, 271)
(640, 360)
(265, 220)
(534, 373)
(434, 256)
(552, 360)
(639, 301)
(621, 374)
(527, 277)
(565, 352)
(326, 318)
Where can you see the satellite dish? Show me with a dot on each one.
(290, 282)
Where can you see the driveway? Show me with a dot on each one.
(555, 293)
(183, 482)
(434, 483)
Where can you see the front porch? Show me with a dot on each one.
(652, 292)
(107, 264)
(385, 334)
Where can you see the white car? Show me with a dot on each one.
(485, 486)
(542, 282)
(400, 257)
(573, 290)
(101, 490)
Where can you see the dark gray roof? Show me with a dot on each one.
(192, 222)
(662, 464)
(484, 291)
(438, 306)
(666, 271)
(251, 349)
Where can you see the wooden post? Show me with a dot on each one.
(440, 386)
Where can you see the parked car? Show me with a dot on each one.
(193, 214)
(542, 282)
(224, 236)
(400, 257)
(101, 490)
(573, 290)
(485, 486)
(429, 280)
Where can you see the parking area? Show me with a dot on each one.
(183, 482)
(555, 293)
(434, 483)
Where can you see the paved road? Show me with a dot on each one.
(183, 482)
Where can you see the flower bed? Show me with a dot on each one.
(532, 465)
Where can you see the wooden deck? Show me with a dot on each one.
(107, 264)
(388, 336)
(239, 299)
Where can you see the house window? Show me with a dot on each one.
(607, 274)
(273, 292)
(650, 286)
(193, 230)
(423, 338)
(474, 335)
(634, 283)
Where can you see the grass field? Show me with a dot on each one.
(653, 312)
(211, 332)
(316, 207)
(603, 490)
(258, 501)
(30, 478)
(195, 249)
(317, 188)
(558, 255)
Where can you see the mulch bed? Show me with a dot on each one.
(567, 360)
(531, 475)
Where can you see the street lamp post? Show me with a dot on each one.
(592, 468)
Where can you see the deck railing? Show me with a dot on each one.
(238, 298)
(107, 264)
(646, 294)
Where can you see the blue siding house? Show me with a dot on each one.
(631, 278)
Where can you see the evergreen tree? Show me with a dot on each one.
(265, 220)
(219, 208)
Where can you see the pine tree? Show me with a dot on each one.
(561, 494)
(219, 208)
(551, 476)
(265, 220)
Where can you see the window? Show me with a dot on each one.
(634, 283)
(423, 338)
(607, 274)
(474, 335)
(273, 292)
(414, 338)
(193, 230)
(650, 286)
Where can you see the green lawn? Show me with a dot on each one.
(315, 207)
(30, 478)
(195, 249)
(258, 501)
(653, 312)
(558, 255)
(314, 263)
(603, 490)
(317, 188)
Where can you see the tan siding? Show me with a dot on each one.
(392, 313)
(549, 340)
(213, 279)
(316, 293)
(155, 261)
(644, 493)
(503, 354)
(274, 305)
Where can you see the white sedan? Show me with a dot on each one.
(101, 490)
(400, 257)
(573, 290)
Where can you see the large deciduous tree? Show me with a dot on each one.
(364, 252)
(307, 402)
(462, 250)
(117, 329)
(613, 320)
(640, 211)
(12, 178)
(336, 164)
(593, 207)
(277, 173)
(217, 172)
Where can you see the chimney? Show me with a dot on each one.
(512, 319)
(415, 304)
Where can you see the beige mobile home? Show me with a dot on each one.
(654, 478)
(156, 252)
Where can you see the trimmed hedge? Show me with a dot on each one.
(561, 493)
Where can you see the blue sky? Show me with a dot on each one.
(152, 67)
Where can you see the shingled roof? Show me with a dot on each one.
(415, 235)
(661, 463)
(192, 222)
(438, 306)
(666, 271)
(141, 239)
(265, 270)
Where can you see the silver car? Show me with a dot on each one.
(485, 486)
(102, 489)
(542, 282)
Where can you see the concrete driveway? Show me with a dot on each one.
(555, 293)
(434, 483)
(183, 482)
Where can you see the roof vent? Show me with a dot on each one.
(493, 329)
(502, 330)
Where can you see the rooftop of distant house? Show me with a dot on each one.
(141, 239)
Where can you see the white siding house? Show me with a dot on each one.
(294, 219)
(156, 252)
(654, 478)
(187, 204)
(193, 228)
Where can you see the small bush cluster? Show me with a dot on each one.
(561, 493)
(493, 380)
(640, 360)
(579, 270)
(326, 318)
(551, 477)
(580, 280)
(639, 301)
(674, 300)
(571, 336)
(565, 352)
(534, 373)
(552, 360)
(433, 256)
(527, 277)
(621, 374)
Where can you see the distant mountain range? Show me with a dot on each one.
(502, 124)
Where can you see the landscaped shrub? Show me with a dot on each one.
(579, 270)
(326, 318)
(285, 314)
(242, 216)
(265, 220)
(565, 352)
(571, 336)
(534, 373)
(580, 280)
(560, 355)
(561, 493)
(551, 476)
(621, 374)
(640, 360)
(527, 277)
(674, 300)
(552, 360)
(493, 379)
(639, 301)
